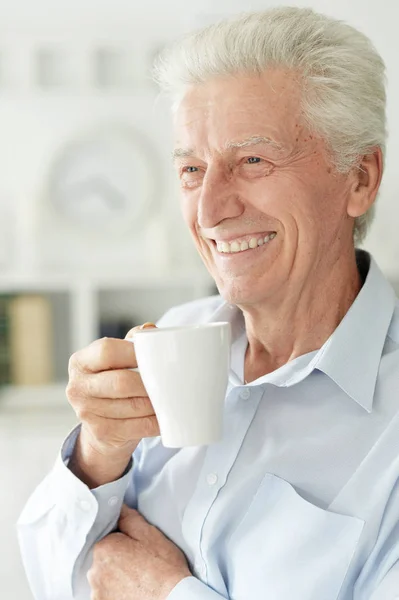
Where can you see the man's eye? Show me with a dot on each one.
(190, 169)
(252, 160)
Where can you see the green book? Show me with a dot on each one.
(5, 355)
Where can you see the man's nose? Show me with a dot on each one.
(218, 200)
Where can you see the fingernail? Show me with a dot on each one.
(147, 325)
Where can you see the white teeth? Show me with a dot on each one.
(223, 247)
(237, 246)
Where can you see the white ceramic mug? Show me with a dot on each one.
(185, 372)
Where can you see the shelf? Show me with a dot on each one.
(82, 308)
(54, 282)
(34, 397)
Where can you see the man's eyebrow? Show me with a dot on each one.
(254, 140)
(182, 153)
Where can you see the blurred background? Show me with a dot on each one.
(91, 238)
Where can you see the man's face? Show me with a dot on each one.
(253, 178)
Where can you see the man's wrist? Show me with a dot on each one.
(173, 582)
(96, 467)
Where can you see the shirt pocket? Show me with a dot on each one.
(285, 547)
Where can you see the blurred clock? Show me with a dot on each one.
(103, 182)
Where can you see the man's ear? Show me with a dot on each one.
(366, 183)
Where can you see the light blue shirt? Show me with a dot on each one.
(300, 500)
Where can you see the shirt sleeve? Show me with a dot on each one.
(59, 525)
(191, 588)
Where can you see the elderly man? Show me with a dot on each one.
(280, 130)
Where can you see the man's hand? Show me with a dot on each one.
(113, 406)
(139, 563)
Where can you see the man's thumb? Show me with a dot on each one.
(131, 522)
(138, 328)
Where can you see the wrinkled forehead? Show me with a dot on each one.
(273, 90)
(231, 111)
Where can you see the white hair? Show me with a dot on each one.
(343, 75)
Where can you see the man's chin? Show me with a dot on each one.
(234, 293)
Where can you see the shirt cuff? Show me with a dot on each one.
(191, 588)
(69, 444)
(63, 489)
(107, 498)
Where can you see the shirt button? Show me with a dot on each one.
(113, 501)
(211, 478)
(85, 505)
(245, 393)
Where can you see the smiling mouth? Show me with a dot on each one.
(237, 245)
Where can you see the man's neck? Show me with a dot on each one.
(280, 332)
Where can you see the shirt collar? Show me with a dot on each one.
(351, 355)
